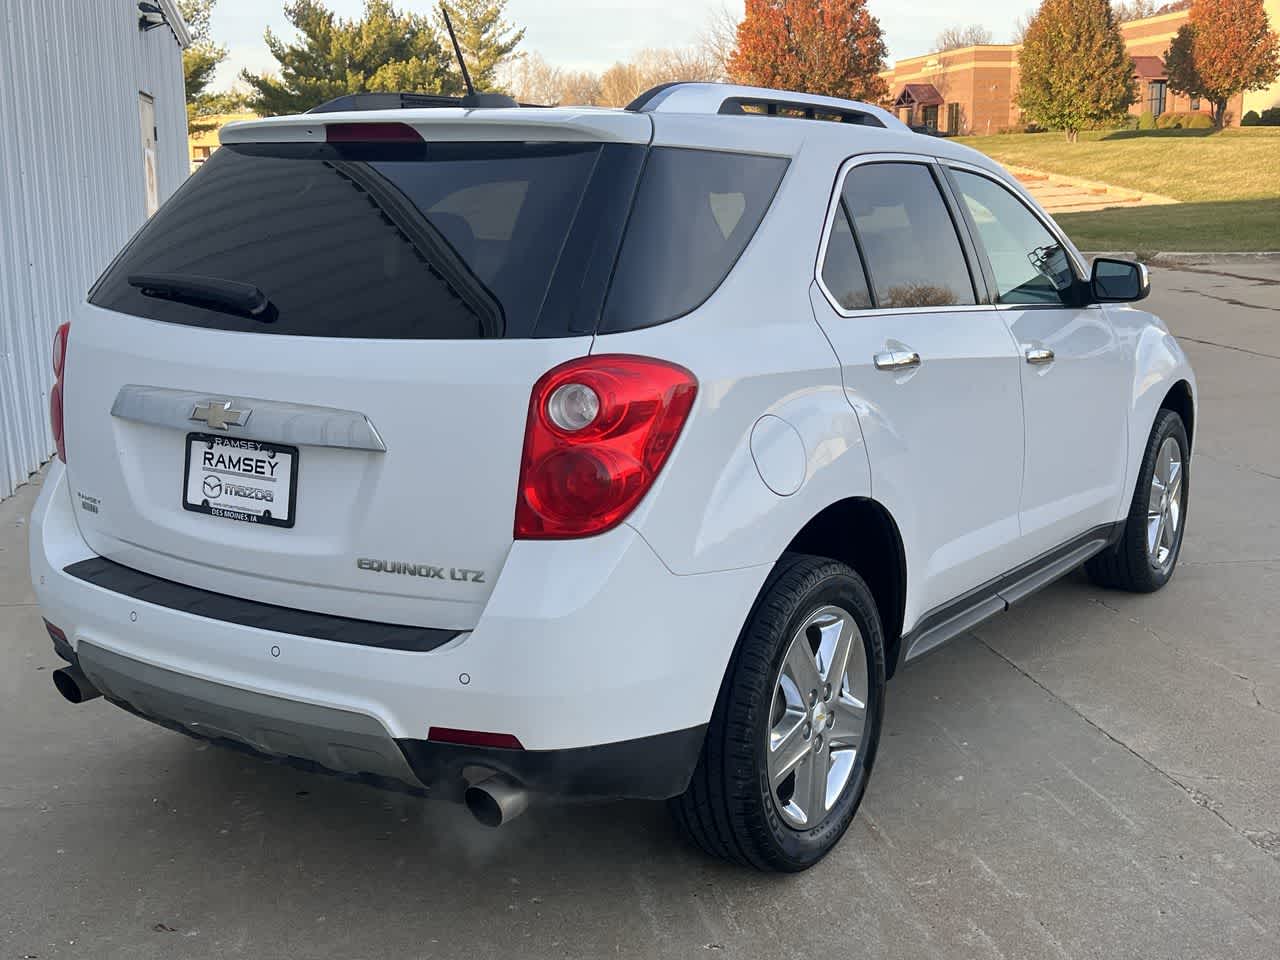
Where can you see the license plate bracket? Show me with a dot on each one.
(241, 479)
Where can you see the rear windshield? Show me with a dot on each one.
(442, 240)
(396, 241)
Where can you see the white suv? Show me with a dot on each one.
(592, 453)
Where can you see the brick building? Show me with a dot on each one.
(974, 89)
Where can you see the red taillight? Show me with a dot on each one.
(60, 338)
(599, 430)
(60, 349)
(474, 738)
(55, 420)
(371, 133)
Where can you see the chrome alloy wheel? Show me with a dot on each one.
(1164, 505)
(817, 716)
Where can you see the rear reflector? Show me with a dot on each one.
(371, 133)
(474, 738)
(56, 634)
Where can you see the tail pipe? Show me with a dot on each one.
(74, 685)
(496, 800)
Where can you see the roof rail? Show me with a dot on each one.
(412, 101)
(733, 99)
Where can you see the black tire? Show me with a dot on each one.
(1128, 565)
(729, 809)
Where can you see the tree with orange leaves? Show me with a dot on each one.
(1225, 48)
(832, 47)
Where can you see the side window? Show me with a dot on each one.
(1029, 263)
(695, 212)
(912, 252)
(842, 272)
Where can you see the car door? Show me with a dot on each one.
(1075, 381)
(931, 370)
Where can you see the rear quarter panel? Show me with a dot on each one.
(756, 350)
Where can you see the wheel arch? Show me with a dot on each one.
(1181, 400)
(860, 532)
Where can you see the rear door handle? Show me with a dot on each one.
(1038, 355)
(897, 360)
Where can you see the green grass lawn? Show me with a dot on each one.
(1229, 182)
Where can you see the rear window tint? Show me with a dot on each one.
(438, 241)
(694, 214)
(912, 251)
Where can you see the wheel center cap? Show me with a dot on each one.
(819, 715)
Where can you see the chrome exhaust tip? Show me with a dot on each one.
(496, 800)
(74, 685)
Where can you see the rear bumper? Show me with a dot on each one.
(354, 745)
(601, 662)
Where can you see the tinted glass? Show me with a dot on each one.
(913, 254)
(842, 272)
(1030, 264)
(384, 241)
(694, 214)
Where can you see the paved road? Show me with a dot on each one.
(1091, 775)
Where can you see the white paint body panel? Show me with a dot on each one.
(944, 440)
(645, 617)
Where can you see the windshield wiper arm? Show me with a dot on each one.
(226, 295)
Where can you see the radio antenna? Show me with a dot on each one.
(457, 50)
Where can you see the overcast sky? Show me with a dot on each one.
(585, 34)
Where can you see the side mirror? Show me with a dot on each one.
(1118, 281)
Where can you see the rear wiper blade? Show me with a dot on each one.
(229, 296)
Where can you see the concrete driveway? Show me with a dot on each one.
(1091, 775)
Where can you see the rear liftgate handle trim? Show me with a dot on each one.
(274, 421)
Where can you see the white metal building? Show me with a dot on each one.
(93, 136)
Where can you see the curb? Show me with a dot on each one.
(1174, 258)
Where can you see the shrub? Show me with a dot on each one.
(1146, 121)
(1251, 119)
(1271, 117)
(1184, 121)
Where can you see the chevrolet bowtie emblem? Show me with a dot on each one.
(218, 414)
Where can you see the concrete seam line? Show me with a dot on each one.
(1194, 795)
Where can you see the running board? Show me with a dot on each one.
(964, 613)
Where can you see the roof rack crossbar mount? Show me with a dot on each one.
(733, 99)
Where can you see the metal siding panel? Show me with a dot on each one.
(71, 182)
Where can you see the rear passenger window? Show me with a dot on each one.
(694, 213)
(909, 242)
(842, 272)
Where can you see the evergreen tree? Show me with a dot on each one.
(199, 61)
(1225, 48)
(486, 39)
(1075, 71)
(384, 50)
